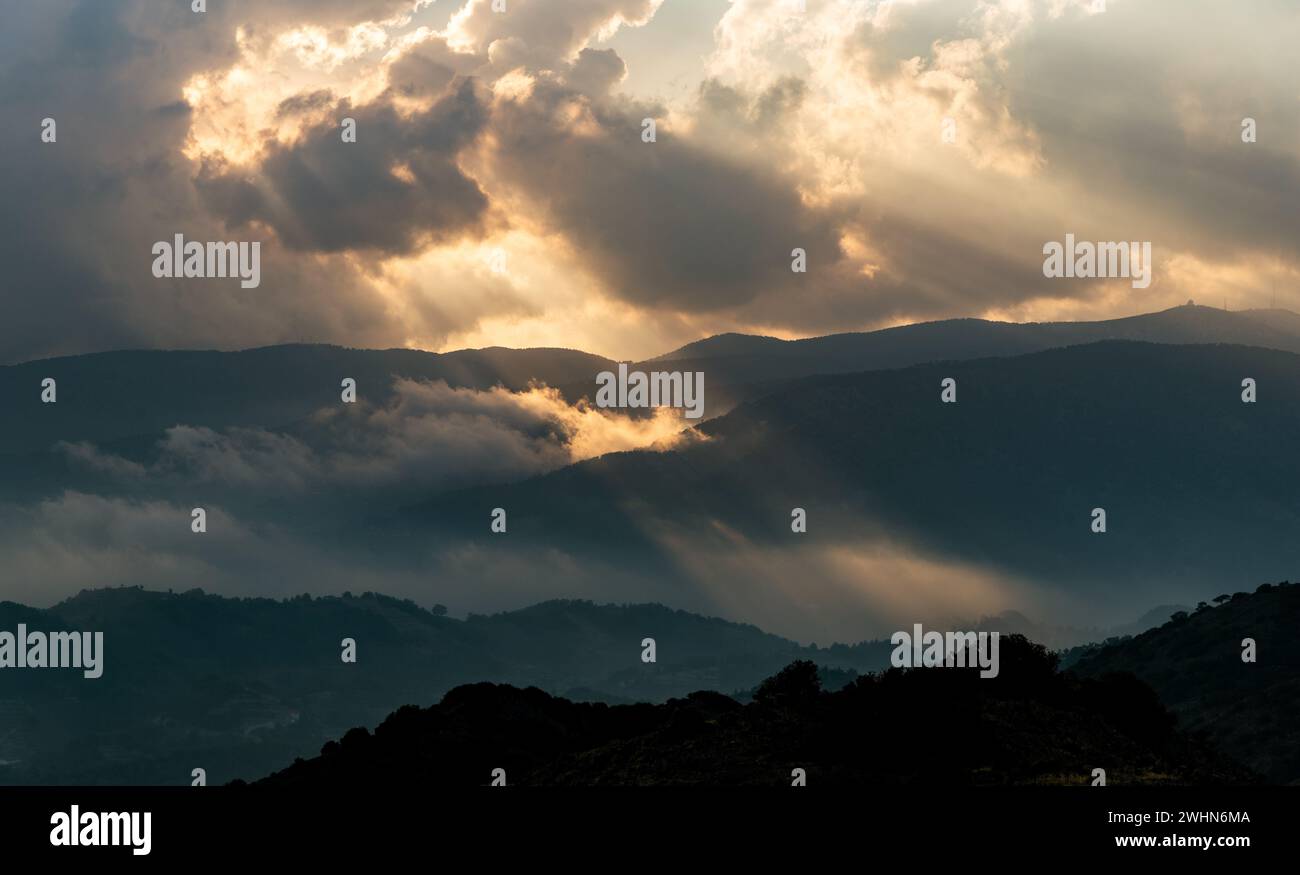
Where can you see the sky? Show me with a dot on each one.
(500, 190)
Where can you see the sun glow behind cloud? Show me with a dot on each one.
(843, 106)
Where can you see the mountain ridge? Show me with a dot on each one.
(116, 395)
(1103, 329)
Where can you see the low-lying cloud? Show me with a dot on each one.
(429, 437)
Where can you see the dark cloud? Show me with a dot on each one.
(396, 189)
(81, 215)
(671, 223)
(306, 103)
(428, 68)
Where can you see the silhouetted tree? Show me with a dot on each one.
(795, 686)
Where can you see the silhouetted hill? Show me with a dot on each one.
(1250, 710)
(935, 727)
(237, 686)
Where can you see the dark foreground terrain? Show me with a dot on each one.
(1031, 724)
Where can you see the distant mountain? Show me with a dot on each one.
(1060, 637)
(237, 686)
(950, 339)
(133, 395)
(1157, 616)
(1250, 710)
(933, 727)
(739, 366)
(1199, 488)
(115, 395)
